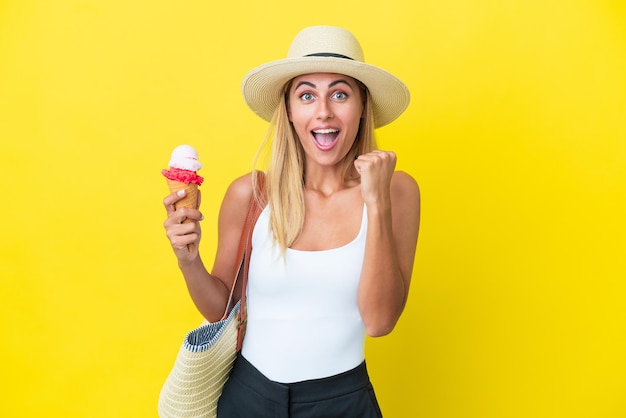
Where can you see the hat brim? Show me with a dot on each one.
(263, 86)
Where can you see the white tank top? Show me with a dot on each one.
(303, 318)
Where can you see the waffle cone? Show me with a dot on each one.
(191, 194)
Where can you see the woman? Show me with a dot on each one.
(333, 250)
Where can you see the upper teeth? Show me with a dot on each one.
(325, 131)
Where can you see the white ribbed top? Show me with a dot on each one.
(303, 318)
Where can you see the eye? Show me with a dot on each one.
(307, 97)
(340, 95)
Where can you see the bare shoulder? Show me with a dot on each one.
(405, 203)
(405, 208)
(230, 223)
(404, 188)
(239, 192)
(235, 205)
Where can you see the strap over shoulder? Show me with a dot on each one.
(257, 203)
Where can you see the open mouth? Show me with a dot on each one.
(325, 138)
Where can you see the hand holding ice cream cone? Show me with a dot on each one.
(182, 175)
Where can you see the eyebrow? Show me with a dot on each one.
(334, 83)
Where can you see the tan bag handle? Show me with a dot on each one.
(257, 203)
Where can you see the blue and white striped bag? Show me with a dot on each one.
(201, 369)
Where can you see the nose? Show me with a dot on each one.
(324, 110)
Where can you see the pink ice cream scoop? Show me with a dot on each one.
(182, 175)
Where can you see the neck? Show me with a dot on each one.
(326, 180)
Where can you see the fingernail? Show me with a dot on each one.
(181, 192)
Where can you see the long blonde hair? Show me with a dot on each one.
(285, 172)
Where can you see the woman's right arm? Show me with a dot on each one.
(209, 291)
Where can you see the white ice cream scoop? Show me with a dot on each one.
(185, 157)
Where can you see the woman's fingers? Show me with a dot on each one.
(181, 214)
(170, 201)
(183, 234)
(182, 226)
(376, 160)
(376, 169)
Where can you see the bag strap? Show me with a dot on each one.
(257, 203)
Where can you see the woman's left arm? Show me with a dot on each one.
(392, 199)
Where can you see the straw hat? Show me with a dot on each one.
(324, 49)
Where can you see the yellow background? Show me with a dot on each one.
(516, 134)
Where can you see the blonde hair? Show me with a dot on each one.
(285, 172)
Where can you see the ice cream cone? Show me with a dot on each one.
(191, 195)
